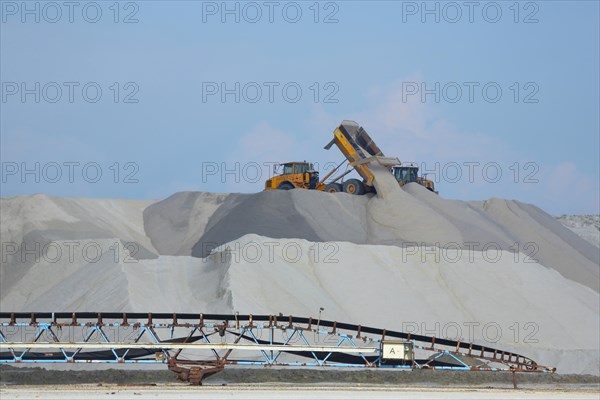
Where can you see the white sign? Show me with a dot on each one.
(396, 350)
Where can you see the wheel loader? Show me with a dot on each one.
(359, 151)
(410, 173)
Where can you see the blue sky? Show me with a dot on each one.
(162, 124)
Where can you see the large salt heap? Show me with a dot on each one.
(407, 260)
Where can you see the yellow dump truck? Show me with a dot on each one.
(360, 151)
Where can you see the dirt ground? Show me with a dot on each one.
(290, 383)
(10, 376)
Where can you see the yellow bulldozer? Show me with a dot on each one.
(359, 151)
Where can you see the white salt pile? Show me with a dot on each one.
(409, 215)
(410, 260)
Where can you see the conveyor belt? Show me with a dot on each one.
(232, 323)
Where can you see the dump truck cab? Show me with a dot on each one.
(410, 173)
(293, 175)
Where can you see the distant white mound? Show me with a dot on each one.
(584, 226)
(497, 272)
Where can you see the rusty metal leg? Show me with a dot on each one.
(194, 373)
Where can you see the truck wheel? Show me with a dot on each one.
(285, 186)
(334, 188)
(354, 186)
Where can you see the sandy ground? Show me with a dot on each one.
(174, 392)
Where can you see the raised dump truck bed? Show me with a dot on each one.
(362, 155)
(360, 150)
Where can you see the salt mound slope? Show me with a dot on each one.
(517, 306)
(175, 224)
(535, 232)
(29, 223)
(403, 216)
(394, 216)
(75, 217)
(165, 284)
(283, 214)
(115, 217)
(555, 246)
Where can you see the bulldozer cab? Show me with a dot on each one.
(405, 175)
